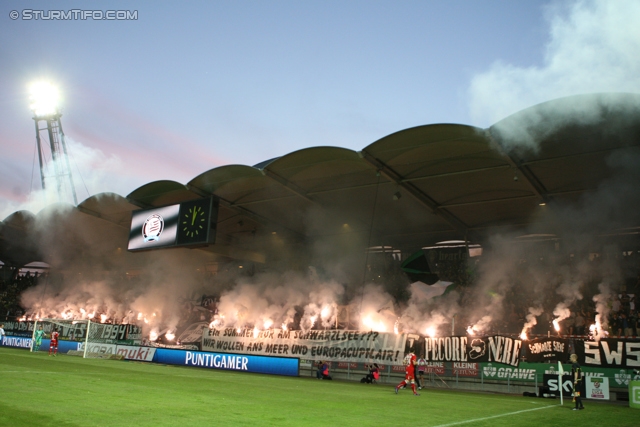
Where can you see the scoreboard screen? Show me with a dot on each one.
(191, 223)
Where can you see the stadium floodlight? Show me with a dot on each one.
(45, 99)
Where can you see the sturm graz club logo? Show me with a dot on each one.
(490, 371)
(152, 228)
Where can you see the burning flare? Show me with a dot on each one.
(431, 331)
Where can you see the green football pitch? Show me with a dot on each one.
(38, 390)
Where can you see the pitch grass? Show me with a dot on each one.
(66, 391)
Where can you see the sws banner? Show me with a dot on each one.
(469, 349)
(333, 345)
(612, 353)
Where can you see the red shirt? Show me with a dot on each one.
(54, 336)
(411, 363)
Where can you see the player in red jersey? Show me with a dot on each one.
(410, 373)
(53, 344)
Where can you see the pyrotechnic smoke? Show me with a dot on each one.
(511, 270)
(377, 312)
(571, 293)
(94, 172)
(592, 47)
(480, 326)
(602, 301)
(531, 320)
(561, 312)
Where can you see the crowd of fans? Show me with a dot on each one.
(575, 290)
(512, 302)
(12, 284)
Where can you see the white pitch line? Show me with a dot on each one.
(495, 416)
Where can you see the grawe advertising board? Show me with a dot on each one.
(228, 361)
(495, 371)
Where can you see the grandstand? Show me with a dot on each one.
(320, 239)
(541, 177)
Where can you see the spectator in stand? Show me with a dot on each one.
(626, 325)
(614, 322)
(625, 303)
(569, 323)
(633, 323)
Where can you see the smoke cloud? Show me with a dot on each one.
(524, 276)
(592, 47)
(92, 170)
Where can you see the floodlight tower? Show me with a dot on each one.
(44, 104)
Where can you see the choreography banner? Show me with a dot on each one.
(338, 346)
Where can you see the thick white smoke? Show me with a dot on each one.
(92, 170)
(593, 47)
(531, 320)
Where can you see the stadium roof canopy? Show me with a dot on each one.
(407, 190)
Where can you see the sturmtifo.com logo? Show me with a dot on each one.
(152, 228)
(490, 371)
